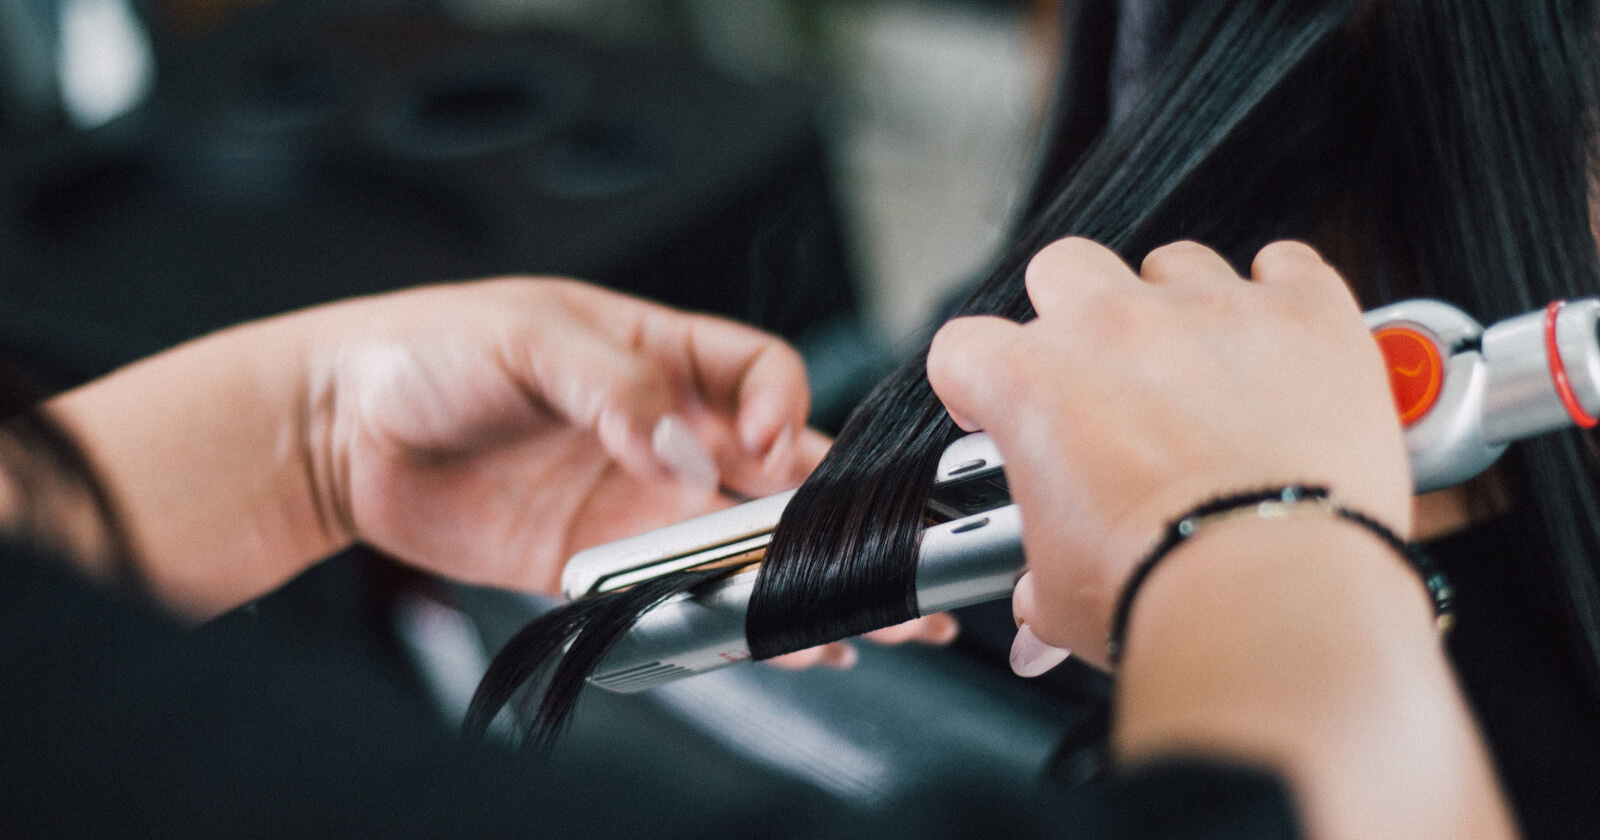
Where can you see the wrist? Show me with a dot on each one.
(1262, 627)
(1304, 645)
(205, 448)
(321, 427)
(1273, 504)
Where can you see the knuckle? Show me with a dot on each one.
(953, 359)
(945, 351)
(1070, 248)
(1290, 249)
(1048, 259)
(1047, 268)
(1173, 256)
(1286, 255)
(1064, 256)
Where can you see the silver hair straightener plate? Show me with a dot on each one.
(974, 557)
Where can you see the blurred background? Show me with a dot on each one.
(831, 170)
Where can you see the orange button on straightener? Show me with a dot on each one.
(1415, 370)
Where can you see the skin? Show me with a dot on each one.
(1302, 644)
(483, 431)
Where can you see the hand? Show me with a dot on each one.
(487, 431)
(936, 629)
(481, 430)
(1131, 399)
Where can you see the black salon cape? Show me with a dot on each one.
(117, 723)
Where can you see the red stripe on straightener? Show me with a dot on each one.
(1558, 370)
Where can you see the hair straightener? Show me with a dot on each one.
(1463, 393)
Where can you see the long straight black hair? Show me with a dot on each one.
(1427, 148)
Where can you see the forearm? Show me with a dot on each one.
(1305, 645)
(204, 449)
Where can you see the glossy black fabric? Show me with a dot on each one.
(116, 722)
(1511, 652)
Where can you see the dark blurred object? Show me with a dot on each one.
(68, 65)
(302, 154)
(191, 18)
(30, 98)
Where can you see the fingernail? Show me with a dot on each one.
(683, 453)
(1031, 657)
(782, 451)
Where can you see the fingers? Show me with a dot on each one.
(962, 362)
(744, 391)
(621, 397)
(738, 370)
(785, 466)
(836, 655)
(773, 397)
(675, 444)
(1185, 263)
(936, 629)
(1070, 268)
(749, 378)
(1031, 655)
(1289, 263)
(759, 384)
(791, 458)
(750, 375)
(1024, 600)
(810, 447)
(1297, 267)
(1073, 269)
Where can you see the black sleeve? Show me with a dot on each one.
(116, 722)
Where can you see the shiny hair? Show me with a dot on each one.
(1428, 149)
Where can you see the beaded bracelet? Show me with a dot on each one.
(1269, 504)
